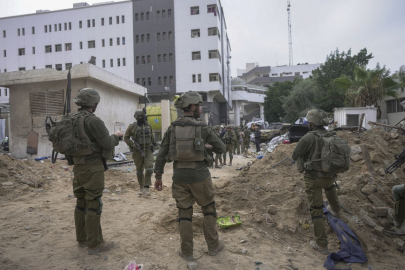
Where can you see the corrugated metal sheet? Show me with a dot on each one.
(49, 102)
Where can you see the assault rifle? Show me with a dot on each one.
(138, 147)
(397, 163)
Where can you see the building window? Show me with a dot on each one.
(58, 47)
(58, 66)
(136, 17)
(91, 44)
(70, 26)
(33, 50)
(137, 60)
(138, 81)
(199, 77)
(170, 35)
(123, 19)
(4, 53)
(118, 41)
(18, 31)
(212, 9)
(103, 43)
(305, 72)
(48, 49)
(81, 45)
(143, 60)
(214, 77)
(169, 13)
(147, 37)
(68, 66)
(111, 63)
(50, 28)
(33, 67)
(103, 63)
(163, 13)
(110, 20)
(65, 25)
(46, 28)
(149, 59)
(111, 41)
(142, 38)
(55, 27)
(147, 16)
(5, 34)
(194, 78)
(394, 105)
(164, 57)
(171, 80)
(88, 24)
(123, 40)
(118, 19)
(143, 82)
(164, 36)
(21, 51)
(80, 24)
(102, 21)
(195, 33)
(142, 16)
(5, 70)
(149, 81)
(68, 46)
(124, 62)
(118, 61)
(170, 57)
(213, 54)
(23, 31)
(159, 57)
(157, 14)
(21, 68)
(196, 55)
(60, 27)
(137, 39)
(274, 74)
(93, 21)
(33, 30)
(158, 37)
(165, 80)
(195, 10)
(212, 31)
(159, 80)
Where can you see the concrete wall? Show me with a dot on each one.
(393, 118)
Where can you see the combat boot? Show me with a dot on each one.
(220, 247)
(322, 250)
(106, 246)
(146, 191)
(230, 163)
(216, 164)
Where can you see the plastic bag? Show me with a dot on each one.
(227, 222)
(133, 266)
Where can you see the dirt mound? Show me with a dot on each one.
(272, 198)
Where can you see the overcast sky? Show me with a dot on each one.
(258, 29)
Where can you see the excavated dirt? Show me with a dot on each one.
(38, 227)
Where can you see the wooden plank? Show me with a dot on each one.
(361, 122)
(367, 159)
(384, 125)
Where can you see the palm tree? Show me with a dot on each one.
(368, 87)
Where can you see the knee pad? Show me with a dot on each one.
(81, 204)
(185, 214)
(210, 210)
(316, 212)
(397, 191)
(148, 172)
(95, 205)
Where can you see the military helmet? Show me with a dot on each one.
(88, 97)
(229, 126)
(186, 99)
(139, 113)
(217, 127)
(318, 117)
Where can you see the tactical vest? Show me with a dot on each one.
(228, 138)
(142, 134)
(186, 145)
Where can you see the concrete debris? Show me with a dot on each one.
(381, 172)
(399, 244)
(244, 251)
(7, 184)
(374, 199)
(381, 211)
(192, 265)
(368, 189)
(356, 157)
(378, 230)
(355, 150)
(394, 135)
(272, 210)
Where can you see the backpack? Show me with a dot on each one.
(331, 155)
(68, 136)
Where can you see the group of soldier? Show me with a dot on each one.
(186, 144)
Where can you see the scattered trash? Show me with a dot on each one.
(119, 157)
(41, 158)
(243, 241)
(260, 157)
(134, 266)
(260, 266)
(244, 251)
(227, 222)
(129, 170)
(7, 184)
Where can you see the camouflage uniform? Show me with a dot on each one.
(246, 140)
(218, 156)
(142, 134)
(236, 150)
(192, 180)
(229, 139)
(88, 181)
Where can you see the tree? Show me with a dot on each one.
(368, 87)
(300, 100)
(273, 111)
(336, 65)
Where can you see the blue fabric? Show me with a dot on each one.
(350, 247)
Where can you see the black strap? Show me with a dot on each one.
(315, 207)
(315, 217)
(330, 188)
(80, 208)
(210, 214)
(180, 219)
(213, 202)
(185, 208)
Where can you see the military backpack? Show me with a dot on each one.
(331, 155)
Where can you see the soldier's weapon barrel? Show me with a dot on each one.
(397, 163)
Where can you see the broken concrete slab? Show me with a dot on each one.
(369, 189)
(378, 230)
(394, 135)
(374, 199)
(192, 265)
(355, 150)
(381, 172)
(381, 211)
(356, 158)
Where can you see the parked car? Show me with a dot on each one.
(275, 129)
(297, 131)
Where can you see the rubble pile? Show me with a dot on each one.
(270, 196)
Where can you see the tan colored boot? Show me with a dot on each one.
(106, 246)
(322, 250)
(220, 247)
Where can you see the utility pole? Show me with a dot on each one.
(289, 33)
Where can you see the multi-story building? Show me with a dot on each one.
(267, 75)
(168, 46)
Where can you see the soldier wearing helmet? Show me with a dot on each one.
(184, 144)
(88, 181)
(315, 181)
(139, 138)
(218, 156)
(229, 139)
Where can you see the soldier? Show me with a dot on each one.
(218, 156)
(236, 150)
(315, 181)
(258, 135)
(139, 138)
(229, 139)
(184, 143)
(88, 181)
(397, 215)
(246, 140)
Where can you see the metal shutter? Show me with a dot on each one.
(49, 102)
